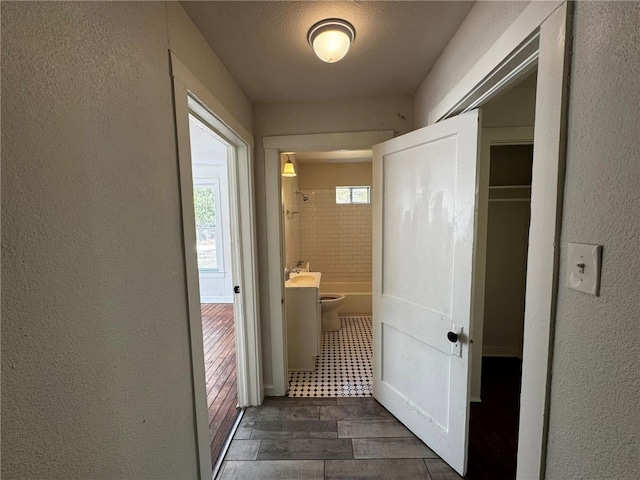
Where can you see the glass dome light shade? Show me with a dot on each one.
(331, 39)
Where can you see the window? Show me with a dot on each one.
(208, 241)
(353, 195)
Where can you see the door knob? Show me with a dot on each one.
(452, 336)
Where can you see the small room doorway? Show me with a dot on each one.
(209, 157)
(326, 219)
(507, 158)
(228, 257)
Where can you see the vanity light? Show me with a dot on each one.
(331, 39)
(288, 170)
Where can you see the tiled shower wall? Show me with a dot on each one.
(335, 239)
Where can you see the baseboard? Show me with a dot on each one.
(269, 391)
(216, 299)
(489, 351)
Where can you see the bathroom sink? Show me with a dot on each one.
(304, 280)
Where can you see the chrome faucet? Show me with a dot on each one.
(288, 272)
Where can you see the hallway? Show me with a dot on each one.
(328, 438)
(355, 437)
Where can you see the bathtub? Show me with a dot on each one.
(357, 296)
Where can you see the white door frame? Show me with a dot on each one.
(551, 23)
(273, 148)
(191, 96)
(489, 137)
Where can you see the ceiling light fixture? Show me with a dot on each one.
(331, 39)
(288, 170)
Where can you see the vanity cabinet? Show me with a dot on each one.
(303, 316)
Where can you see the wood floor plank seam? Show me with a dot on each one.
(220, 372)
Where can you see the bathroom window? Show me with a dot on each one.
(208, 237)
(353, 195)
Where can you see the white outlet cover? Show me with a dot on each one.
(583, 268)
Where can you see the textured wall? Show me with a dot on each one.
(96, 375)
(594, 426)
(481, 28)
(194, 52)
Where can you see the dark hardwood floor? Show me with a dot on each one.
(220, 371)
(493, 426)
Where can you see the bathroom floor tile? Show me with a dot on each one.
(344, 368)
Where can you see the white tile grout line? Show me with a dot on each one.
(344, 368)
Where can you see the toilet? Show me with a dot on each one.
(330, 303)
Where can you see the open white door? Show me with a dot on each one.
(424, 206)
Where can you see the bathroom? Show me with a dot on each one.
(326, 212)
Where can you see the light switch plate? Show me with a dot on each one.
(583, 269)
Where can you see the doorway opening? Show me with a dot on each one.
(326, 212)
(507, 158)
(545, 30)
(209, 156)
(193, 101)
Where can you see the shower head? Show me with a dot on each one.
(304, 197)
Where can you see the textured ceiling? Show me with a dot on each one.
(264, 45)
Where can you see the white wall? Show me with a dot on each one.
(291, 221)
(507, 242)
(594, 422)
(507, 235)
(514, 108)
(481, 28)
(507, 228)
(96, 372)
(194, 52)
(380, 113)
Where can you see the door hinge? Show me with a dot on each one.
(236, 289)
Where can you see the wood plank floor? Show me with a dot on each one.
(220, 372)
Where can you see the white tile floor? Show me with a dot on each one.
(344, 367)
